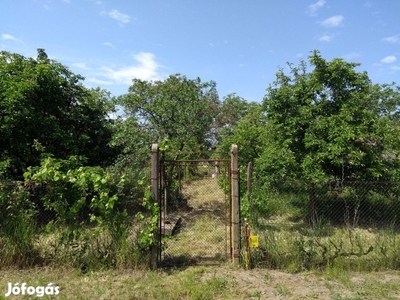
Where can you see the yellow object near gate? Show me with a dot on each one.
(253, 241)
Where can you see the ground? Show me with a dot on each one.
(213, 282)
(273, 284)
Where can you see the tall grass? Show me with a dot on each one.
(326, 226)
(17, 249)
(17, 227)
(85, 246)
(295, 247)
(92, 248)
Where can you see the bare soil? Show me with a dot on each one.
(274, 284)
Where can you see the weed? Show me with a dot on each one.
(267, 277)
(256, 294)
(282, 290)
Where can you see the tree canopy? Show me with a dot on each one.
(177, 111)
(321, 120)
(45, 109)
(331, 122)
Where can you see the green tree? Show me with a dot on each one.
(331, 122)
(232, 109)
(93, 128)
(44, 108)
(247, 131)
(177, 111)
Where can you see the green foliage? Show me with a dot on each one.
(80, 196)
(331, 123)
(231, 110)
(134, 142)
(71, 189)
(177, 108)
(45, 109)
(248, 133)
(149, 224)
(324, 121)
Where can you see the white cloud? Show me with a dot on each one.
(368, 4)
(334, 21)
(395, 39)
(120, 17)
(82, 66)
(395, 68)
(326, 38)
(351, 55)
(107, 44)
(9, 37)
(146, 69)
(312, 9)
(389, 59)
(98, 81)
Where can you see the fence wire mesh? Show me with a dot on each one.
(38, 225)
(195, 211)
(305, 225)
(350, 203)
(27, 198)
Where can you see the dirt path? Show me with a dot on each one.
(273, 284)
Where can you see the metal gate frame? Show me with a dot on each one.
(176, 212)
(234, 209)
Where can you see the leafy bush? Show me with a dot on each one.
(81, 197)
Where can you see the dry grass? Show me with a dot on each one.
(222, 282)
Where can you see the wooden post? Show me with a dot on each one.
(235, 232)
(155, 193)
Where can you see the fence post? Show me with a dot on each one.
(235, 233)
(154, 178)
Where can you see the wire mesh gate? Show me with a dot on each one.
(195, 211)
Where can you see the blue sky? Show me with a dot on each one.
(238, 44)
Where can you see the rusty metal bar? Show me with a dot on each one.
(196, 160)
(155, 193)
(235, 206)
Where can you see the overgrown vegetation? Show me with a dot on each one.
(324, 143)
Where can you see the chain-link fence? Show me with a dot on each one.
(28, 198)
(303, 225)
(350, 203)
(195, 211)
(46, 223)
